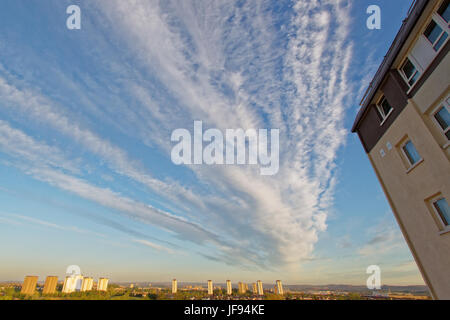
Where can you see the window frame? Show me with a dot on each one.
(445, 103)
(443, 30)
(416, 66)
(433, 202)
(440, 21)
(411, 165)
(380, 109)
(441, 17)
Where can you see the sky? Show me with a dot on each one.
(86, 116)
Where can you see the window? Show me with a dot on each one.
(442, 117)
(444, 11)
(411, 153)
(436, 35)
(443, 210)
(384, 108)
(410, 72)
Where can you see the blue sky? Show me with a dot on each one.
(85, 122)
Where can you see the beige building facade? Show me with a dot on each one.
(210, 288)
(102, 284)
(29, 285)
(279, 288)
(260, 288)
(229, 288)
(87, 284)
(50, 285)
(404, 127)
(174, 286)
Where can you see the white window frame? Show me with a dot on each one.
(411, 165)
(446, 104)
(433, 201)
(443, 25)
(418, 69)
(384, 117)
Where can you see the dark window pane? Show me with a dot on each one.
(386, 107)
(444, 11)
(433, 32)
(443, 117)
(408, 68)
(414, 79)
(411, 153)
(441, 41)
(444, 211)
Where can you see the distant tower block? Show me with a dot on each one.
(279, 287)
(210, 288)
(69, 285)
(245, 287)
(29, 285)
(229, 289)
(241, 288)
(260, 288)
(174, 286)
(50, 285)
(72, 284)
(87, 284)
(255, 289)
(102, 284)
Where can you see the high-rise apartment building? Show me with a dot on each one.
(404, 126)
(210, 288)
(87, 284)
(229, 288)
(102, 284)
(260, 288)
(241, 288)
(69, 285)
(72, 284)
(29, 285)
(50, 285)
(255, 288)
(279, 288)
(174, 286)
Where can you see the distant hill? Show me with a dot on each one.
(416, 289)
(349, 288)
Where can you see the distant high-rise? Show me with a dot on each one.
(69, 285)
(242, 287)
(50, 285)
(229, 289)
(210, 287)
(174, 286)
(29, 285)
(255, 289)
(87, 284)
(102, 284)
(279, 287)
(72, 284)
(260, 288)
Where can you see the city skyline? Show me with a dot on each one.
(86, 118)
